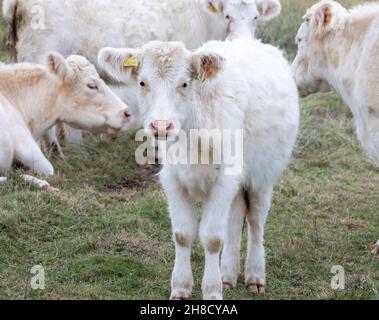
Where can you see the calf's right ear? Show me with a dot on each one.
(58, 66)
(121, 64)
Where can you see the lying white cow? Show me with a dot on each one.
(341, 47)
(33, 98)
(84, 27)
(237, 85)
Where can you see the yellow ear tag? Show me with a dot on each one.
(212, 8)
(131, 62)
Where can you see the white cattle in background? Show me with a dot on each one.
(341, 47)
(33, 98)
(234, 85)
(84, 27)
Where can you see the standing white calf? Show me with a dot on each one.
(341, 47)
(237, 85)
(85, 26)
(351, 67)
(33, 98)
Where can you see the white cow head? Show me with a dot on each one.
(85, 100)
(165, 73)
(320, 23)
(243, 15)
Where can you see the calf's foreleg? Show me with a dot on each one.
(184, 222)
(230, 260)
(212, 233)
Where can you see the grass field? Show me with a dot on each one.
(106, 235)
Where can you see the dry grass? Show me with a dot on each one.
(107, 234)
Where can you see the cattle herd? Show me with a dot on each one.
(178, 66)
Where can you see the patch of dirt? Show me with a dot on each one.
(139, 179)
(353, 223)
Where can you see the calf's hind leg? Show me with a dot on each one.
(255, 274)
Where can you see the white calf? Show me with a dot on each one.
(342, 47)
(351, 67)
(34, 97)
(237, 85)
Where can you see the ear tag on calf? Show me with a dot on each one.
(212, 8)
(131, 62)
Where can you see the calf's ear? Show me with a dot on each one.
(268, 9)
(121, 64)
(58, 66)
(328, 17)
(206, 66)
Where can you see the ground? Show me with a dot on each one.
(107, 233)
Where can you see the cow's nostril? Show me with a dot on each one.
(127, 114)
(170, 126)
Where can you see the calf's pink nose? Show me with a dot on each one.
(162, 127)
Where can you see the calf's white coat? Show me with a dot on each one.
(241, 84)
(33, 98)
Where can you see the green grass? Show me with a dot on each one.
(106, 235)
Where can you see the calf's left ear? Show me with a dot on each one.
(58, 66)
(268, 9)
(206, 66)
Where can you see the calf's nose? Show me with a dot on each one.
(162, 127)
(125, 115)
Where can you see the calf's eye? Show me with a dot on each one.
(92, 86)
(142, 84)
(185, 85)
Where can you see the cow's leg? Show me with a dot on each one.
(184, 227)
(72, 136)
(30, 155)
(212, 233)
(39, 183)
(230, 260)
(52, 142)
(255, 273)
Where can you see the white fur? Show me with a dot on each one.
(351, 67)
(253, 91)
(34, 97)
(85, 26)
(343, 50)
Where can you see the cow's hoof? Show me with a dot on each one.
(181, 294)
(228, 286)
(213, 297)
(51, 189)
(256, 288)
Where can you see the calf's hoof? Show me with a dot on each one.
(229, 282)
(256, 284)
(215, 296)
(256, 288)
(228, 286)
(181, 294)
(51, 189)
